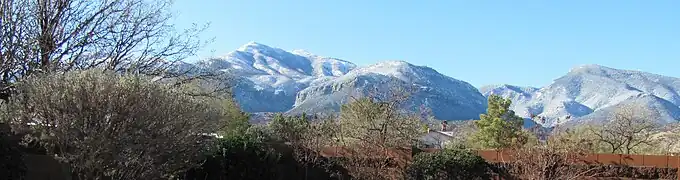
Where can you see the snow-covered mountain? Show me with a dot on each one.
(662, 111)
(592, 92)
(448, 98)
(518, 94)
(270, 79)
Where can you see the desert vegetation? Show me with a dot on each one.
(100, 87)
(107, 125)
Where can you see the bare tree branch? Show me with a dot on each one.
(125, 36)
(629, 127)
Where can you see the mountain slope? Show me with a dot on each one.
(270, 79)
(508, 90)
(662, 111)
(591, 88)
(448, 98)
(518, 94)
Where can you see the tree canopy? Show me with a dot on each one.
(499, 127)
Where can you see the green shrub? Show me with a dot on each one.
(239, 157)
(289, 128)
(448, 164)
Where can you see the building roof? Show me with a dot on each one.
(446, 133)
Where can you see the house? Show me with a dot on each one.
(437, 139)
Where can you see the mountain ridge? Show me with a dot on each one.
(271, 79)
(430, 88)
(590, 88)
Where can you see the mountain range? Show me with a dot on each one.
(590, 93)
(270, 79)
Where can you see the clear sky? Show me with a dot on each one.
(481, 42)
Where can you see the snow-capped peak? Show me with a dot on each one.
(255, 47)
(303, 52)
(248, 46)
(594, 68)
(394, 63)
(589, 66)
(393, 68)
(399, 69)
(500, 88)
(390, 67)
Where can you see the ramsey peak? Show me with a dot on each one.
(270, 79)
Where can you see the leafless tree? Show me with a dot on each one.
(665, 141)
(113, 127)
(546, 162)
(131, 36)
(575, 140)
(381, 118)
(629, 127)
(364, 136)
(321, 134)
(374, 128)
(558, 158)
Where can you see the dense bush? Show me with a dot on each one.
(239, 157)
(289, 128)
(106, 125)
(253, 156)
(448, 164)
(11, 158)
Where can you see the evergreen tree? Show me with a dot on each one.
(499, 127)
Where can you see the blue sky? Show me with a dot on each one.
(481, 42)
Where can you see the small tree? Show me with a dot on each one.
(110, 126)
(320, 134)
(499, 127)
(579, 139)
(629, 127)
(546, 163)
(666, 142)
(555, 158)
(448, 164)
(374, 131)
(378, 123)
(308, 137)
